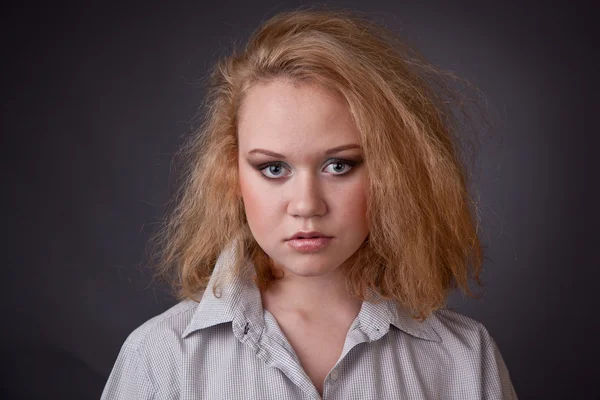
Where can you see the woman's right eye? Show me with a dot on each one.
(273, 170)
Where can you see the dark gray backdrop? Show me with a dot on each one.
(96, 98)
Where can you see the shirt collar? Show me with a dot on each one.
(239, 302)
(238, 299)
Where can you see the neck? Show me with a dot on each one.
(311, 297)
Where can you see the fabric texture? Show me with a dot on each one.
(230, 348)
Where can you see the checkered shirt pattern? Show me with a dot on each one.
(230, 348)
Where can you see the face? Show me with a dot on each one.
(300, 170)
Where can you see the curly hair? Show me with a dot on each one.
(423, 238)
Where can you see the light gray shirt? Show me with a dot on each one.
(231, 348)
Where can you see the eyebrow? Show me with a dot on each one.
(328, 152)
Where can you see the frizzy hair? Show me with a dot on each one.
(423, 238)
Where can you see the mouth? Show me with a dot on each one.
(309, 242)
(309, 235)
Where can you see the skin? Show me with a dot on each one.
(309, 190)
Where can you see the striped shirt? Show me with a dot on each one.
(231, 348)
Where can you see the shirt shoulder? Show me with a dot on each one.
(453, 327)
(171, 322)
(135, 374)
(473, 352)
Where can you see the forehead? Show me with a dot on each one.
(286, 116)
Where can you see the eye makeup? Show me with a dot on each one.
(346, 162)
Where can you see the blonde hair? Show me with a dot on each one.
(423, 234)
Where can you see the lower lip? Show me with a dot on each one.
(309, 245)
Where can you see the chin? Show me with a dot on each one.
(310, 267)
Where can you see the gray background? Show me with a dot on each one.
(96, 99)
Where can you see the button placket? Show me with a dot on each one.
(334, 375)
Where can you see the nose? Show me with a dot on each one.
(306, 199)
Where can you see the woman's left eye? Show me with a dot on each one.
(339, 167)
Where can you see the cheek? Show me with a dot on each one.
(258, 203)
(354, 205)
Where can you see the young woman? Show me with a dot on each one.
(324, 219)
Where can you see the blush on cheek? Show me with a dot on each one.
(355, 200)
(256, 202)
(254, 212)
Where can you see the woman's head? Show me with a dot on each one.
(308, 81)
(300, 170)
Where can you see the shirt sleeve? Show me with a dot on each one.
(129, 379)
(495, 377)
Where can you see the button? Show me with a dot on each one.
(334, 375)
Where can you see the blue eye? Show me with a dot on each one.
(273, 170)
(340, 167)
(337, 167)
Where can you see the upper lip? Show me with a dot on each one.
(306, 235)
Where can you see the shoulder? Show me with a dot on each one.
(133, 375)
(155, 345)
(170, 323)
(472, 351)
(460, 330)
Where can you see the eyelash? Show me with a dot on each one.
(349, 163)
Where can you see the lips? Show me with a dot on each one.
(308, 235)
(308, 244)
